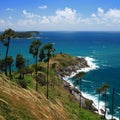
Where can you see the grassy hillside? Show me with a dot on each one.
(21, 104)
(17, 103)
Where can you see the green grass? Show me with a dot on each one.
(11, 112)
(56, 92)
(70, 104)
(29, 80)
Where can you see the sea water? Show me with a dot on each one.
(101, 50)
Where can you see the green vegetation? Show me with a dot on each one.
(5, 38)
(17, 103)
(18, 98)
(34, 50)
(103, 89)
(28, 34)
(22, 110)
(78, 78)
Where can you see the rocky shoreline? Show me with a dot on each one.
(67, 71)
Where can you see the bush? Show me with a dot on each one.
(23, 83)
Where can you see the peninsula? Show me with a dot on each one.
(27, 34)
(25, 103)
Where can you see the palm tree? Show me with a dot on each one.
(34, 50)
(0, 65)
(113, 92)
(9, 64)
(98, 91)
(78, 78)
(3, 65)
(20, 64)
(45, 55)
(104, 89)
(54, 69)
(5, 38)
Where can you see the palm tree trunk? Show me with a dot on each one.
(10, 74)
(36, 74)
(7, 55)
(80, 93)
(54, 80)
(20, 76)
(98, 102)
(113, 103)
(47, 78)
(105, 105)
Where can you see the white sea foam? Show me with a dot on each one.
(101, 104)
(92, 66)
(91, 63)
(86, 81)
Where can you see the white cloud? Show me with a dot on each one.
(100, 11)
(43, 7)
(10, 18)
(27, 14)
(9, 9)
(93, 15)
(66, 16)
(2, 22)
(44, 20)
(70, 16)
(111, 17)
(26, 22)
(69, 19)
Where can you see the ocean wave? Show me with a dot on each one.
(92, 66)
(86, 81)
(90, 62)
(101, 104)
(94, 98)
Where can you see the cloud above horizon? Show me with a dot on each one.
(68, 18)
(112, 16)
(43, 7)
(9, 9)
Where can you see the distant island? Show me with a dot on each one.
(28, 34)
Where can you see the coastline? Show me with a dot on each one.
(84, 65)
(88, 66)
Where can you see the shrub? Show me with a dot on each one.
(23, 83)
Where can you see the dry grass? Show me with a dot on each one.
(36, 104)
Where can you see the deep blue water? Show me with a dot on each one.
(104, 47)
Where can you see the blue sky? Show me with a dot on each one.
(53, 15)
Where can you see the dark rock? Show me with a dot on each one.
(102, 111)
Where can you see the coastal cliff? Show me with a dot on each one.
(73, 64)
(27, 104)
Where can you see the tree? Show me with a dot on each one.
(113, 92)
(104, 89)
(34, 50)
(9, 62)
(54, 69)
(5, 39)
(20, 64)
(78, 77)
(98, 91)
(0, 65)
(45, 55)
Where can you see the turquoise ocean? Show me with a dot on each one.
(101, 48)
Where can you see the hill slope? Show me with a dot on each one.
(20, 104)
(26, 104)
